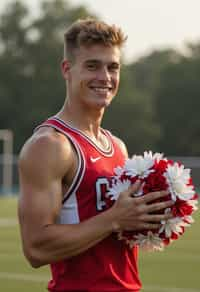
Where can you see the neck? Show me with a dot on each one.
(86, 120)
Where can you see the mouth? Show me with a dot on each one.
(101, 89)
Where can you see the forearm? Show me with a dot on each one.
(55, 242)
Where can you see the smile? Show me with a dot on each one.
(101, 89)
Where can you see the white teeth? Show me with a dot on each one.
(101, 90)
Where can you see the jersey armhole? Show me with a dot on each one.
(81, 160)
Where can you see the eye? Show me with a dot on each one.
(92, 66)
(114, 67)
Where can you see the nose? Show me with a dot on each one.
(104, 74)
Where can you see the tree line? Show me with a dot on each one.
(158, 104)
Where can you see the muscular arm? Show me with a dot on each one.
(44, 161)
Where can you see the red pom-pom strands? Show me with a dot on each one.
(157, 173)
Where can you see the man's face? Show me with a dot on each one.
(93, 78)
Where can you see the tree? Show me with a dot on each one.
(178, 106)
(146, 70)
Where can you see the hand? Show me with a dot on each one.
(137, 213)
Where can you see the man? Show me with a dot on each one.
(66, 168)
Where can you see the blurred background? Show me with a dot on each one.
(157, 107)
(158, 104)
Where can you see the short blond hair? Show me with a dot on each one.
(88, 32)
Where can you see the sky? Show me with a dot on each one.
(149, 24)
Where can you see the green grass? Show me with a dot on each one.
(176, 269)
(177, 266)
(15, 273)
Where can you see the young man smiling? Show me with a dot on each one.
(66, 167)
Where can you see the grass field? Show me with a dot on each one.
(177, 269)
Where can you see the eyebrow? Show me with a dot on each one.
(92, 61)
(96, 61)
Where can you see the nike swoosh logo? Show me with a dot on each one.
(94, 159)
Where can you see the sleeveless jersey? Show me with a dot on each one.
(110, 265)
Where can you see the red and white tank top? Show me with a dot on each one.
(110, 265)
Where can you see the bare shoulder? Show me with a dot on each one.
(121, 145)
(46, 150)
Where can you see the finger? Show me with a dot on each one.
(153, 196)
(150, 226)
(135, 187)
(156, 217)
(159, 206)
(144, 225)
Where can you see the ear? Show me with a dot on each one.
(65, 67)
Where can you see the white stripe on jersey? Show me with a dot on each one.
(69, 212)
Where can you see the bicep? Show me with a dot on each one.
(39, 204)
(41, 172)
(38, 207)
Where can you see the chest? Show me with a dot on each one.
(96, 179)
